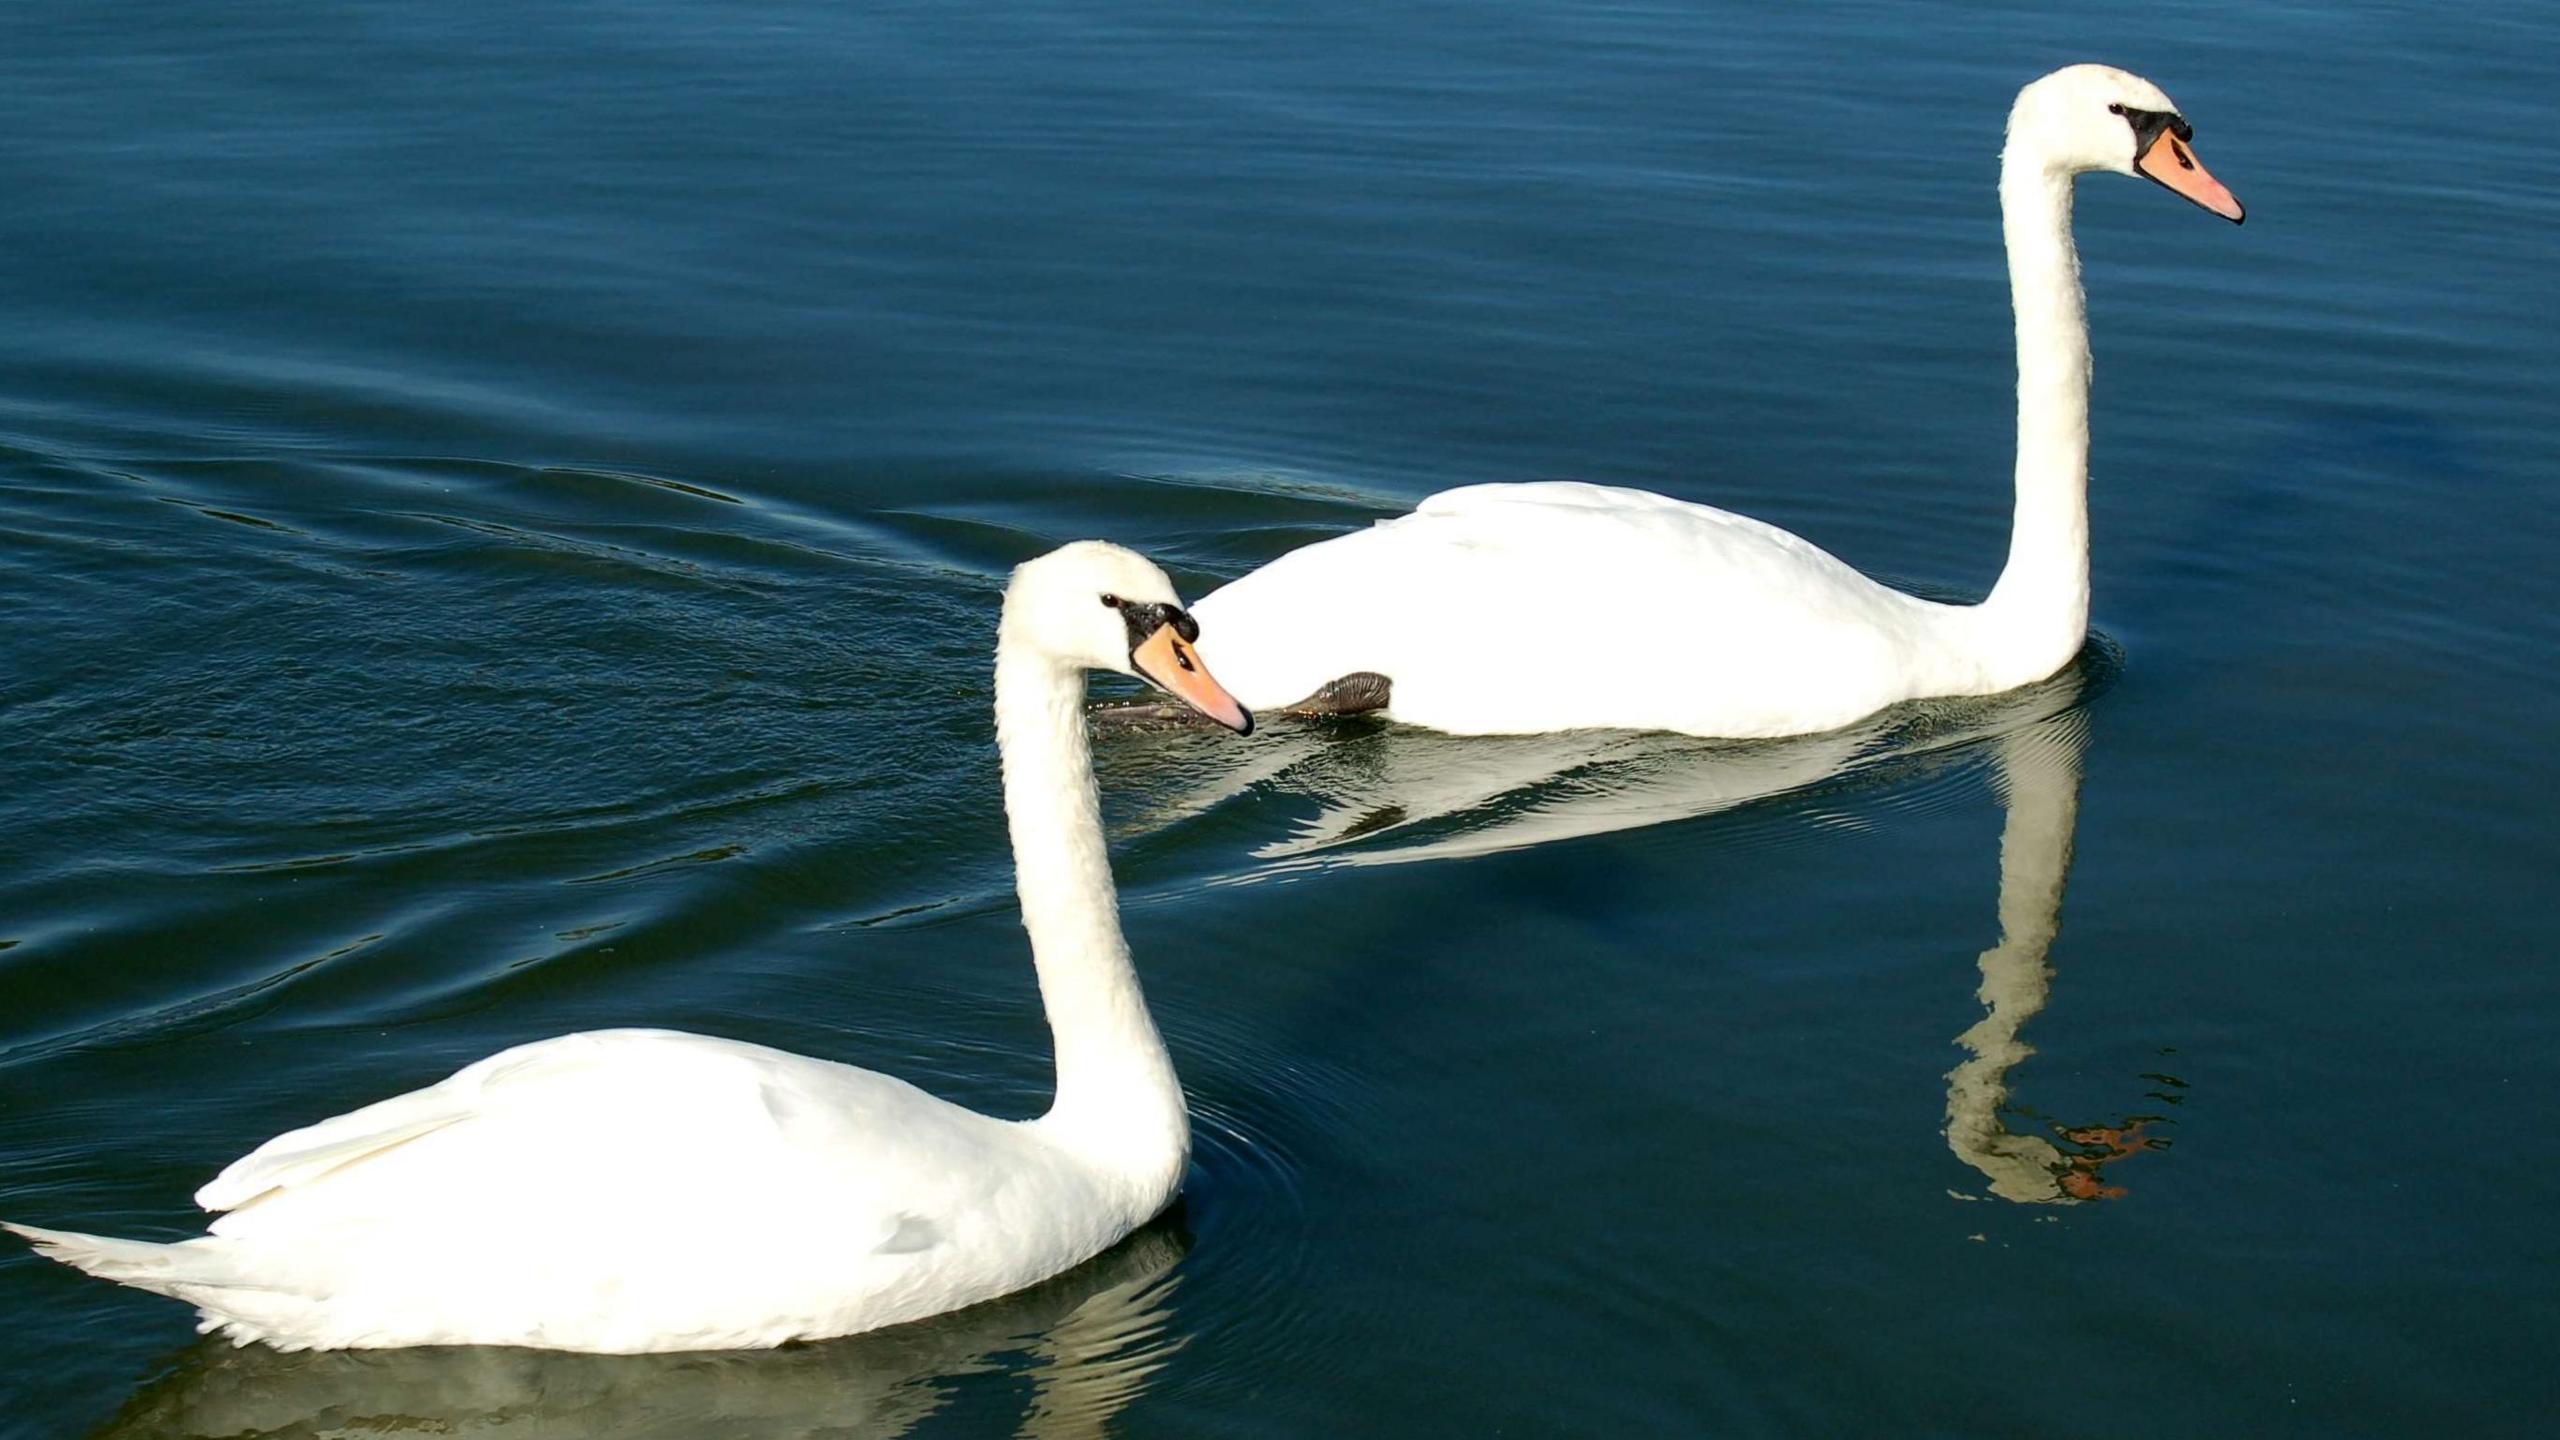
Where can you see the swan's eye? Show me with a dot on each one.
(2115, 109)
(1111, 602)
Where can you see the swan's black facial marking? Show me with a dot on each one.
(2150, 125)
(1144, 619)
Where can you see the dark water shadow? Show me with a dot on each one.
(1058, 1361)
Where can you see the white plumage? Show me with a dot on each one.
(1515, 609)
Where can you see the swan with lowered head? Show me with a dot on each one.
(1560, 606)
(644, 1190)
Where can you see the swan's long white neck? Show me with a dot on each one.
(2038, 614)
(1118, 1104)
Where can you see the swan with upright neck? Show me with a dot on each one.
(645, 1190)
(1522, 608)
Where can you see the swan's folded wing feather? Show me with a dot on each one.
(298, 1157)
(625, 1133)
(302, 1157)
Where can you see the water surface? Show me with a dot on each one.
(501, 511)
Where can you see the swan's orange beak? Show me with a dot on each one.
(1173, 666)
(2173, 163)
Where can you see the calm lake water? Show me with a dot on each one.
(501, 513)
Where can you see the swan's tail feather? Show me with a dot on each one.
(142, 1264)
(213, 1274)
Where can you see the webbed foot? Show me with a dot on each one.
(1354, 694)
(1357, 693)
(1148, 715)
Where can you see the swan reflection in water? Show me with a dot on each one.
(1384, 794)
(2040, 770)
(1086, 1344)
(1387, 794)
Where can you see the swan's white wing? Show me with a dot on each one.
(300, 1156)
(648, 1105)
(1559, 605)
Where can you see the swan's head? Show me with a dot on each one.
(2096, 117)
(1098, 606)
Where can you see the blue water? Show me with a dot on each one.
(501, 510)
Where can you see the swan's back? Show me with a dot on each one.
(1560, 605)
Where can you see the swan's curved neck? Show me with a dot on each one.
(1118, 1102)
(2038, 613)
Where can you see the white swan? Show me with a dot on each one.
(642, 1190)
(1559, 606)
